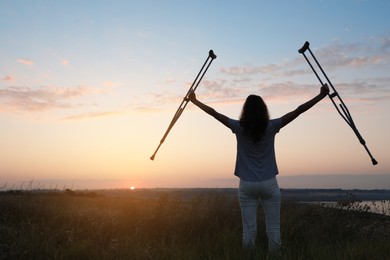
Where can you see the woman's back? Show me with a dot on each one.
(256, 161)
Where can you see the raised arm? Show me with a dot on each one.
(209, 110)
(287, 118)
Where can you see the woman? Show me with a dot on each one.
(256, 163)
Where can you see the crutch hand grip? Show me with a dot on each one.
(304, 47)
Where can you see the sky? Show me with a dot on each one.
(88, 88)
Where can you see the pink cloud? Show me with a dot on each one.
(8, 78)
(111, 84)
(43, 98)
(92, 115)
(25, 61)
(65, 62)
(248, 70)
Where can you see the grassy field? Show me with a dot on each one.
(175, 224)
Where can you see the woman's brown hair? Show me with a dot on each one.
(254, 117)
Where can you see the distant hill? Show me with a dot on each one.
(334, 194)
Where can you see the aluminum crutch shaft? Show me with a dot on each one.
(185, 100)
(343, 110)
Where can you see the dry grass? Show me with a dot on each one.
(163, 224)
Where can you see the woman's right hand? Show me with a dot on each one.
(192, 97)
(324, 90)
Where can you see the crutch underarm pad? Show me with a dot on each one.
(212, 55)
(304, 47)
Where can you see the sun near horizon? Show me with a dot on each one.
(85, 99)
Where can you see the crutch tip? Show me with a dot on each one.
(374, 162)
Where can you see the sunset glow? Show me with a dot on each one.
(86, 98)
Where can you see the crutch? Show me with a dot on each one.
(343, 110)
(185, 101)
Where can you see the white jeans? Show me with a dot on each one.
(268, 193)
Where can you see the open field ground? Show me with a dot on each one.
(176, 224)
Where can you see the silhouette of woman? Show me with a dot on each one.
(256, 163)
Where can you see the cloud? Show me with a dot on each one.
(364, 92)
(43, 98)
(65, 62)
(142, 35)
(110, 84)
(147, 109)
(156, 102)
(351, 56)
(91, 115)
(385, 43)
(286, 69)
(170, 81)
(366, 54)
(287, 89)
(220, 92)
(220, 89)
(367, 90)
(8, 78)
(25, 61)
(278, 81)
(249, 70)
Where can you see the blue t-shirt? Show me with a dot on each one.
(256, 161)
